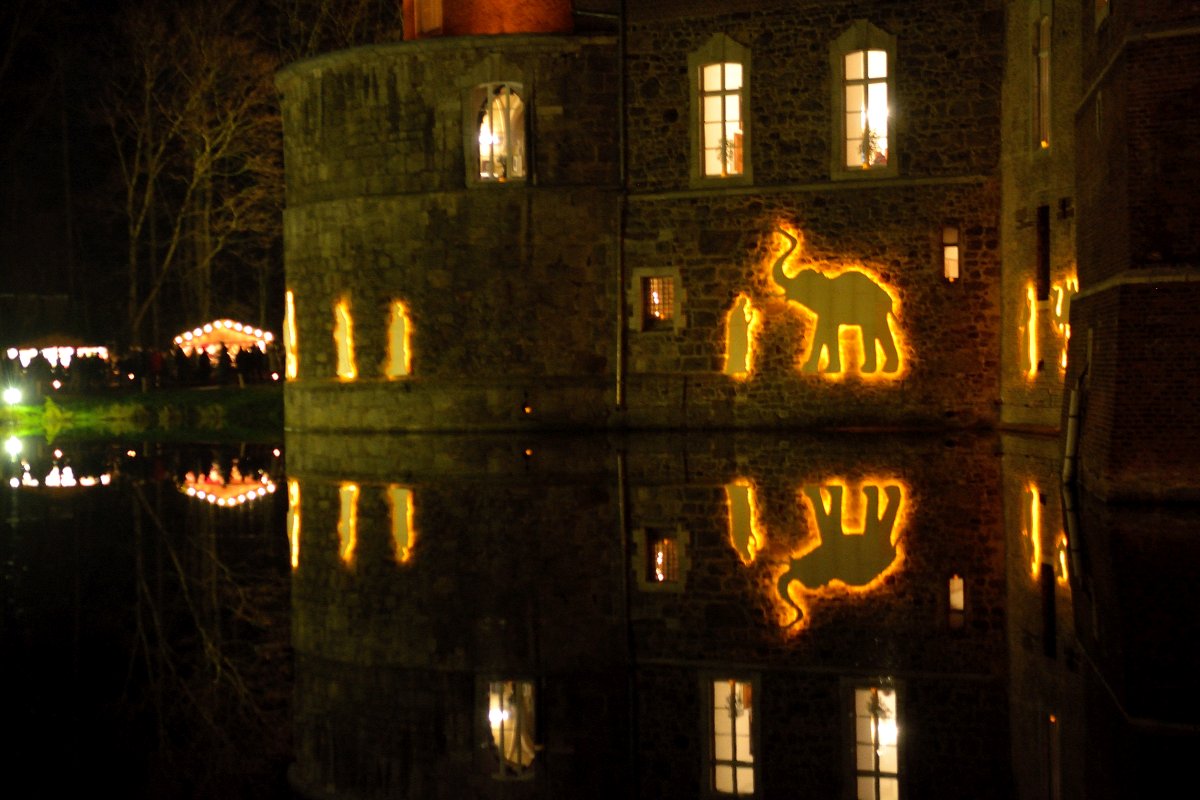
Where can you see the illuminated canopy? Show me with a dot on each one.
(234, 335)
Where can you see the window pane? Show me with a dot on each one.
(866, 789)
(733, 107)
(889, 789)
(866, 757)
(854, 66)
(887, 760)
(723, 779)
(745, 777)
(711, 80)
(854, 152)
(877, 64)
(712, 161)
(877, 107)
(712, 109)
(733, 76)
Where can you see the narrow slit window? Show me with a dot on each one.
(343, 340)
(501, 134)
(957, 602)
(950, 253)
(399, 361)
(732, 737)
(1041, 102)
(400, 503)
(291, 362)
(347, 527)
(876, 743)
(510, 719)
(1043, 253)
(293, 521)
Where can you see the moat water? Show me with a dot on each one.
(650, 616)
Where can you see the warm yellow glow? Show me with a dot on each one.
(864, 524)
(744, 532)
(1061, 314)
(399, 361)
(741, 326)
(343, 340)
(400, 502)
(1031, 529)
(291, 363)
(293, 520)
(233, 334)
(348, 521)
(1060, 552)
(868, 308)
(56, 356)
(1031, 331)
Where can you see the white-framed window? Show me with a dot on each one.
(862, 61)
(720, 129)
(656, 297)
(876, 742)
(511, 713)
(732, 735)
(500, 128)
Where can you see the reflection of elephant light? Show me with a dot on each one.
(855, 559)
(851, 299)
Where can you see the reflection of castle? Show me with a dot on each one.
(589, 621)
(573, 224)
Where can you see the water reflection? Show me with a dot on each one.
(653, 617)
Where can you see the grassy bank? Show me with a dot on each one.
(250, 414)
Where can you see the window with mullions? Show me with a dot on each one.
(863, 64)
(720, 130)
(876, 743)
(658, 303)
(510, 719)
(732, 745)
(501, 127)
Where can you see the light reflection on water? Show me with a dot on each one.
(352, 626)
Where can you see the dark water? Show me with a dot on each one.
(653, 616)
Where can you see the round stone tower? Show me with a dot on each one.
(451, 203)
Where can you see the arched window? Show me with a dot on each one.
(720, 129)
(501, 127)
(863, 63)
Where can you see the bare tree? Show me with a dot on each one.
(191, 108)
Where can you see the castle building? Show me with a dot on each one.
(752, 214)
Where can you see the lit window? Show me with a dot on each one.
(347, 527)
(399, 358)
(732, 754)
(510, 719)
(863, 70)
(343, 340)
(501, 126)
(658, 301)
(428, 15)
(876, 743)
(660, 559)
(950, 253)
(721, 119)
(293, 521)
(291, 364)
(720, 129)
(400, 505)
(1041, 89)
(663, 559)
(957, 602)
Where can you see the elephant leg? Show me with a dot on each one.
(870, 358)
(891, 357)
(823, 339)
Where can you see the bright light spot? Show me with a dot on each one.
(208, 327)
(57, 384)
(496, 716)
(12, 395)
(57, 453)
(276, 452)
(14, 483)
(12, 446)
(131, 453)
(129, 375)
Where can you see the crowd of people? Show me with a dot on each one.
(145, 369)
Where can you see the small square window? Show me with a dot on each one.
(499, 135)
(660, 559)
(663, 558)
(658, 302)
(950, 253)
(957, 602)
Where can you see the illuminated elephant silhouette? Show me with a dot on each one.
(850, 299)
(853, 558)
